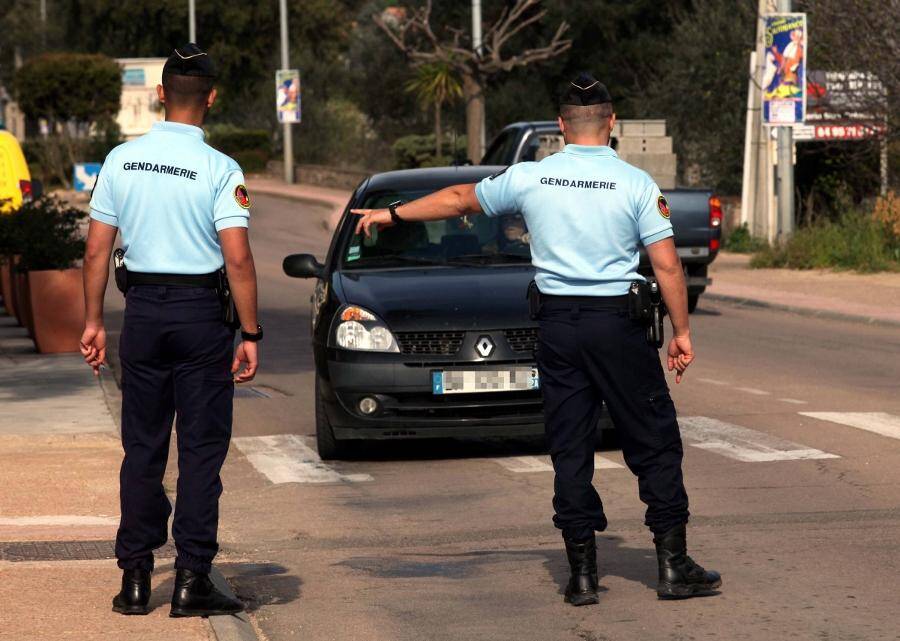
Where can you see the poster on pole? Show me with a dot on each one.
(287, 95)
(784, 73)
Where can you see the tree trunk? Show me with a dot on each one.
(437, 128)
(473, 94)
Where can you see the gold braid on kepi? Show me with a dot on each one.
(189, 60)
(583, 91)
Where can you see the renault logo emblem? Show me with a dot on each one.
(484, 346)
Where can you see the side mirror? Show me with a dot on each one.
(302, 266)
(37, 189)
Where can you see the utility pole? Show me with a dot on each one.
(785, 166)
(476, 47)
(288, 139)
(192, 21)
(44, 24)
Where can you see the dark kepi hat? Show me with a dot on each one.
(189, 60)
(583, 91)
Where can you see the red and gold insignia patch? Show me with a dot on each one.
(663, 206)
(242, 196)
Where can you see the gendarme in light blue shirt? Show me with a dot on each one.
(170, 193)
(587, 212)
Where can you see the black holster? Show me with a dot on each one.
(646, 306)
(534, 300)
(119, 270)
(229, 311)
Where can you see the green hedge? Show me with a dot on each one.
(741, 241)
(418, 151)
(230, 139)
(855, 241)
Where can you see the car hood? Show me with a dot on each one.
(455, 298)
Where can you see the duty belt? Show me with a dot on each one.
(210, 281)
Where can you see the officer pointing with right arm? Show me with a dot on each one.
(587, 212)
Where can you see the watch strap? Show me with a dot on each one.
(253, 338)
(395, 217)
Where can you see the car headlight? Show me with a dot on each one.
(360, 329)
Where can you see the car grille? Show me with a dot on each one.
(522, 340)
(442, 343)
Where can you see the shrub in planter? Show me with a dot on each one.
(51, 245)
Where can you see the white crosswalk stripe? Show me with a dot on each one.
(531, 464)
(741, 443)
(877, 422)
(285, 458)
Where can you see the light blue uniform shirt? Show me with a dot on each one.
(170, 193)
(587, 211)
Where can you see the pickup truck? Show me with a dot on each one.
(696, 213)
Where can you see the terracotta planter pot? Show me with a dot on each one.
(57, 305)
(6, 285)
(23, 303)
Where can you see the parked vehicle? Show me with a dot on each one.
(15, 179)
(696, 213)
(422, 330)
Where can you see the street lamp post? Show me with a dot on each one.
(476, 47)
(192, 21)
(288, 140)
(785, 167)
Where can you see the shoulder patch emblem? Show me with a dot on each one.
(663, 206)
(242, 196)
(498, 174)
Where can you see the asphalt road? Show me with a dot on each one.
(453, 540)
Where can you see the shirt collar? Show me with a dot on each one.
(590, 150)
(178, 128)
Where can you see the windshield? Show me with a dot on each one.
(476, 239)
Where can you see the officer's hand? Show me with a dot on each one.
(93, 346)
(248, 355)
(681, 354)
(378, 217)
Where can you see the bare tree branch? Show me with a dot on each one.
(415, 37)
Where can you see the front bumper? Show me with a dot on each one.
(409, 409)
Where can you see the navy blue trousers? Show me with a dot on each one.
(176, 359)
(587, 356)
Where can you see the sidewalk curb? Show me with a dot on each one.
(742, 301)
(235, 627)
(328, 224)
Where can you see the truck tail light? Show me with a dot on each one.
(25, 188)
(715, 221)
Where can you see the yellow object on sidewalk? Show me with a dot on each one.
(15, 179)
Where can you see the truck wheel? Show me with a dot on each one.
(329, 447)
(693, 299)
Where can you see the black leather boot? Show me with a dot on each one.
(135, 593)
(582, 587)
(679, 576)
(196, 596)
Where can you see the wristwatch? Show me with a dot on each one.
(393, 209)
(253, 338)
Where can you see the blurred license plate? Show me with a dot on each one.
(511, 379)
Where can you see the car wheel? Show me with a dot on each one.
(329, 447)
(693, 299)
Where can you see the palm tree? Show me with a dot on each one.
(434, 84)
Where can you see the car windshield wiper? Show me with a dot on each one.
(370, 260)
(505, 257)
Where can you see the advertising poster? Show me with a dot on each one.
(784, 75)
(287, 95)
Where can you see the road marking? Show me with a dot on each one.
(712, 381)
(285, 458)
(795, 401)
(743, 444)
(523, 464)
(878, 422)
(531, 464)
(58, 519)
(753, 390)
